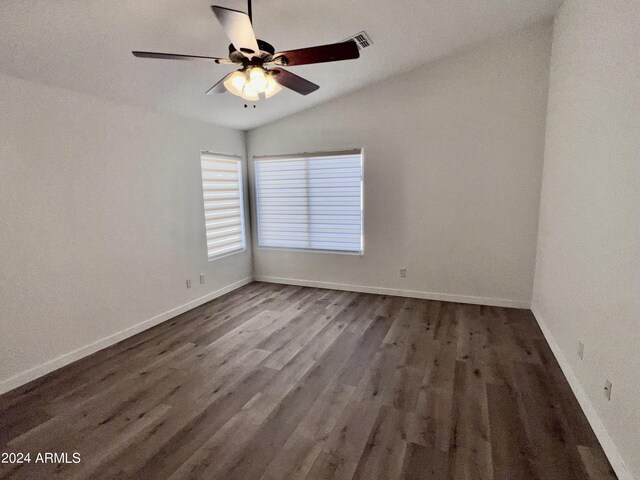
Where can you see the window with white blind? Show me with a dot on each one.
(310, 202)
(223, 204)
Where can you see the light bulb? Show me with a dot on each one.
(236, 82)
(248, 93)
(258, 80)
(273, 87)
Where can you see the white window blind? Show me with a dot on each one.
(223, 204)
(310, 202)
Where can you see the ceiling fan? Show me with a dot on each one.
(261, 69)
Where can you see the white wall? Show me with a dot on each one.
(587, 281)
(101, 223)
(453, 162)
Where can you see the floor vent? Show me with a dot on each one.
(362, 39)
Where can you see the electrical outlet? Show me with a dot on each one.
(402, 272)
(202, 279)
(581, 350)
(607, 389)
(188, 283)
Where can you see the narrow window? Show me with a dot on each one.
(310, 202)
(223, 204)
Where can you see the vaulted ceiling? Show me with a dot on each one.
(85, 45)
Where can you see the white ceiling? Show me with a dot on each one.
(85, 45)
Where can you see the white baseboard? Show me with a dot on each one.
(67, 358)
(610, 449)
(445, 297)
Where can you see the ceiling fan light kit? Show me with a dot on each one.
(255, 77)
(250, 83)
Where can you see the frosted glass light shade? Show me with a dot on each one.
(273, 87)
(248, 93)
(235, 83)
(257, 79)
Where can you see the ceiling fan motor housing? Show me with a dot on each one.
(266, 50)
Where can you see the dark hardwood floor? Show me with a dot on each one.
(281, 382)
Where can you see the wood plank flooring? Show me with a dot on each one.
(280, 382)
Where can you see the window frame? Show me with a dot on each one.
(354, 151)
(238, 158)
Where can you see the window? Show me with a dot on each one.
(310, 202)
(223, 204)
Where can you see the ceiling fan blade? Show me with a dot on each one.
(176, 56)
(325, 53)
(219, 87)
(237, 26)
(294, 82)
